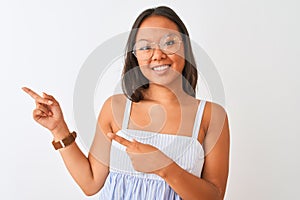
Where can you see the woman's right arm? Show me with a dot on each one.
(89, 172)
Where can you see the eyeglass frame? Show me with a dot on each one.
(159, 44)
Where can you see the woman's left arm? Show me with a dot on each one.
(212, 184)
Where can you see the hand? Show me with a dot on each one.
(47, 112)
(144, 157)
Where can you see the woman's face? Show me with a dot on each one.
(159, 37)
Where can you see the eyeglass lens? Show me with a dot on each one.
(169, 44)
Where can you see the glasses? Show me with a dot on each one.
(169, 44)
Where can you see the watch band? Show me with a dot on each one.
(65, 142)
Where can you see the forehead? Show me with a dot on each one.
(154, 27)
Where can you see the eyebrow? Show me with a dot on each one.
(143, 40)
(167, 34)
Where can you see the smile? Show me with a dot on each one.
(160, 68)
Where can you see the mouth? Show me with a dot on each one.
(160, 67)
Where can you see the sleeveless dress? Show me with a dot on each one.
(124, 183)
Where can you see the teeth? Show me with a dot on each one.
(160, 68)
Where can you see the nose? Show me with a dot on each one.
(158, 54)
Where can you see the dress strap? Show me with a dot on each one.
(198, 119)
(126, 114)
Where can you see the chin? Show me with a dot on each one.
(167, 81)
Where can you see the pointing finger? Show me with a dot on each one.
(119, 139)
(37, 97)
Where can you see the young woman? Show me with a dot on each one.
(155, 141)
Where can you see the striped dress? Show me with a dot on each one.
(124, 183)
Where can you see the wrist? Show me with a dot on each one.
(166, 171)
(60, 131)
(64, 142)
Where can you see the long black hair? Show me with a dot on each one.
(133, 81)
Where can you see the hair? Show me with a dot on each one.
(134, 83)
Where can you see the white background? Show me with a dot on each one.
(254, 45)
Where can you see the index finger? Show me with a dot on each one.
(36, 97)
(119, 139)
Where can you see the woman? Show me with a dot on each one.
(155, 141)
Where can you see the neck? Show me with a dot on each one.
(165, 94)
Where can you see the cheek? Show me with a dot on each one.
(179, 63)
(179, 59)
(143, 63)
(143, 66)
(181, 53)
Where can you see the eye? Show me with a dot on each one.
(171, 42)
(144, 48)
(142, 45)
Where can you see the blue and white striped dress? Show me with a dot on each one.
(124, 183)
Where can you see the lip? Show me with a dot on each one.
(162, 71)
(153, 66)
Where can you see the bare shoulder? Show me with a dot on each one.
(119, 99)
(113, 110)
(212, 111)
(114, 102)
